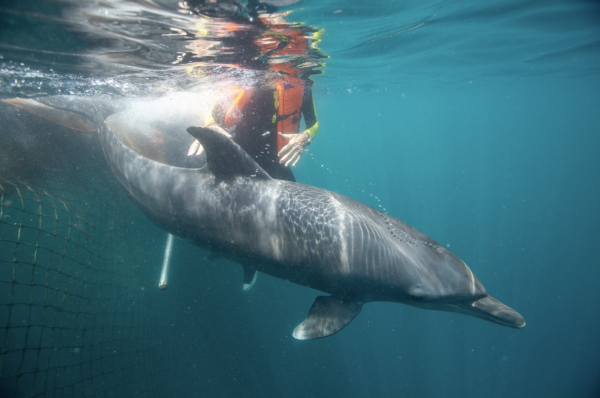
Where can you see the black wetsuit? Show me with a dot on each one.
(256, 132)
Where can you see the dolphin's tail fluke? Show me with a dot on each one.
(95, 110)
(492, 310)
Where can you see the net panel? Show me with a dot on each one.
(75, 316)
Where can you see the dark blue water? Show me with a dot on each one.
(479, 127)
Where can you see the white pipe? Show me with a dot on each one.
(165, 267)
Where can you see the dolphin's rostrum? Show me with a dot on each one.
(307, 235)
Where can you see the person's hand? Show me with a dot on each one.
(291, 153)
(197, 149)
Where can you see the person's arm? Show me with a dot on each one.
(292, 152)
(309, 112)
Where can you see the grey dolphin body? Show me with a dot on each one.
(309, 236)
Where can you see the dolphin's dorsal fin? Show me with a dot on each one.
(224, 158)
(328, 315)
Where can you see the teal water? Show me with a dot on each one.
(502, 175)
(480, 127)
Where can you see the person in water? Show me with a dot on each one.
(264, 119)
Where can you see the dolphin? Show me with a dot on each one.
(303, 234)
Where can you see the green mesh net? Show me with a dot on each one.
(76, 318)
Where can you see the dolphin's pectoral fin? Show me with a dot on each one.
(224, 158)
(249, 278)
(328, 315)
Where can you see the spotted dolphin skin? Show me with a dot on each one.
(309, 236)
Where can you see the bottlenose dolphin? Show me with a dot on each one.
(307, 235)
